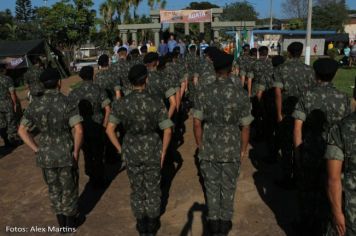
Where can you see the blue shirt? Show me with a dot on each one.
(163, 49)
(171, 45)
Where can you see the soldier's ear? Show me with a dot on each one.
(59, 84)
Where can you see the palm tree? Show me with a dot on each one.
(153, 4)
(12, 29)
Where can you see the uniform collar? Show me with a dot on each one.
(51, 91)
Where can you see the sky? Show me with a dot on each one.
(262, 6)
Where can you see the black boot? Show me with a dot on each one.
(141, 226)
(213, 226)
(71, 223)
(225, 227)
(61, 220)
(153, 225)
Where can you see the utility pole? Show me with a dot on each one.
(309, 29)
(46, 1)
(271, 17)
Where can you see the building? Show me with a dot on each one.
(350, 27)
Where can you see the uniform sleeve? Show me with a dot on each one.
(169, 88)
(163, 121)
(198, 111)
(334, 149)
(73, 113)
(278, 78)
(300, 112)
(27, 119)
(115, 113)
(104, 99)
(245, 115)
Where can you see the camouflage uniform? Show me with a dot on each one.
(224, 109)
(177, 72)
(32, 79)
(342, 147)
(320, 108)
(141, 115)
(243, 63)
(108, 81)
(121, 70)
(53, 114)
(91, 101)
(160, 86)
(192, 62)
(294, 78)
(7, 116)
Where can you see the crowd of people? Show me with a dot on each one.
(133, 109)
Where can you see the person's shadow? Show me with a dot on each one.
(92, 194)
(196, 207)
(283, 203)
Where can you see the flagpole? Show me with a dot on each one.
(309, 29)
(270, 14)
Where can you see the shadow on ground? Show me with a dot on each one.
(196, 207)
(283, 203)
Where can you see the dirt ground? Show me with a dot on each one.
(261, 208)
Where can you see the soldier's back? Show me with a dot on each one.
(6, 85)
(108, 81)
(32, 78)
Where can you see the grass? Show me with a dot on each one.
(345, 79)
(75, 85)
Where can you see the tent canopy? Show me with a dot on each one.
(21, 48)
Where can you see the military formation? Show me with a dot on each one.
(133, 111)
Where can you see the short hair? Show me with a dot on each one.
(103, 60)
(138, 74)
(135, 52)
(87, 73)
(277, 60)
(50, 78)
(122, 49)
(263, 51)
(222, 61)
(325, 69)
(253, 51)
(295, 49)
(150, 57)
(193, 48)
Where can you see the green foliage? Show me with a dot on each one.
(239, 11)
(330, 16)
(6, 20)
(201, 6)
(296, 24)
(66, 24)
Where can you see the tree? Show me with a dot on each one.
(330, 16)
(6, 19)
(153, 4)
(239, 11)
(23, 11)
(297, 9)
(66, 24)
(201, 6)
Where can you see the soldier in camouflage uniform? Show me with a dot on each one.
(92, 101)
(141, 115)
(192, 61)
(319, 109)
(341, 160)
(121, 70)
(107, 79)
(292, 79)
(32, 78)
(57, 154)
(222, 144)
(7, 108)
(135, 57)
(159, 85)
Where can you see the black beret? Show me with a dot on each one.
(87, 73)
(143, 48)
(50, 74)
(135, 51)
(138, 73)
(277, 60)
(325, 67)
(222, 60)
(103, 60)
(246, 46)
(295, 47)
(262, 49)
(122, 49)
(150, 57)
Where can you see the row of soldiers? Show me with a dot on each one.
(145, 98)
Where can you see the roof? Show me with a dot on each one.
(294, 32)
(21, 48)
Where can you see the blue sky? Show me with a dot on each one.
(262, 6)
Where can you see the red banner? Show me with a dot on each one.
(185, 16)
